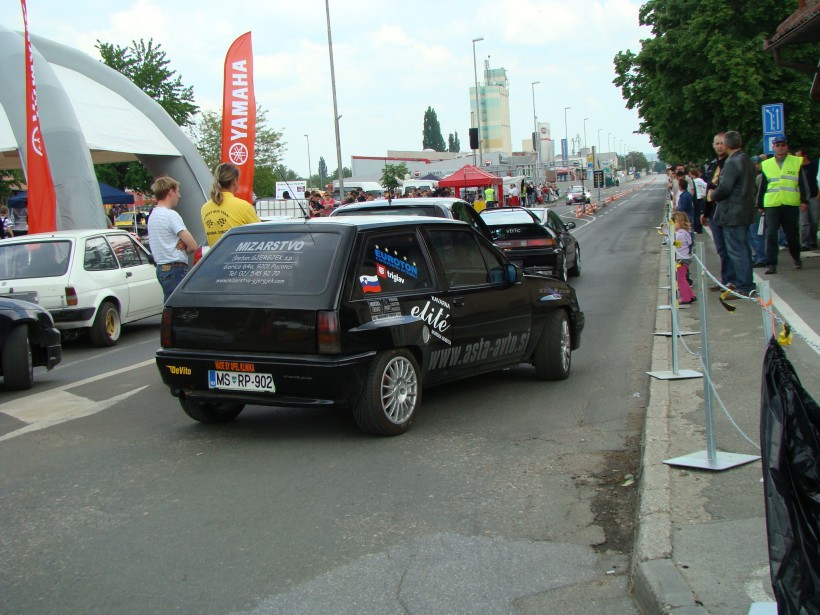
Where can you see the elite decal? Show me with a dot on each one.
(435, 313)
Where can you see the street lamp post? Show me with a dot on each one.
(584, 162)
(336, 116)
(310, 165)
(477, 109)
(537, 143)
(598, 153)
(566, 141)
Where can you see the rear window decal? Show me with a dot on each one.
(370, 284)
(384, 307)
(392, 260)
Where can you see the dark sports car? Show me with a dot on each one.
(28, 338)
(526, 241)
(361, 311)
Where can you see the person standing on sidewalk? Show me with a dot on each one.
(683, 256)
(809, 214)
(170, 241)
(735, 211)
(757, 240)
(781, 196)
(712, 175)
(698, 197)
(225, 210)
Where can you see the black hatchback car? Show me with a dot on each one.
(356, 311)
(28, 338)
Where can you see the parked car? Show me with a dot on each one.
(577, 194)
(437, 207)
(525, 241)
(359, 311)
(28, 339)
(134, 221)
(89, 280)
(569, 244)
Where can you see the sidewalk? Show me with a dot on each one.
(701, 545)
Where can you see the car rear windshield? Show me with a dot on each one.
(501, 217)
(417, 210)
(280, 263)
(34, 259)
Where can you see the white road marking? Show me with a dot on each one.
(52, 408)
(57, 405)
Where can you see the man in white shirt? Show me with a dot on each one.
(170, 241)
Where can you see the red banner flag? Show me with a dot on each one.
(42, 201)
(239, 113)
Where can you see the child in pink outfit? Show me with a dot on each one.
(683, 256)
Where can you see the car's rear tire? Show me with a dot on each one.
(391, 394)
(107, 325)
(211, 411)
(553, 355)
(18, 366)
(575, 270)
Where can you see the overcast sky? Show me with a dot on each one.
(392, 60)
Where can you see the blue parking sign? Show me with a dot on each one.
(774, 122)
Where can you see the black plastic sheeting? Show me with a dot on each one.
(790, 446)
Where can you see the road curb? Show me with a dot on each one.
(656, 583)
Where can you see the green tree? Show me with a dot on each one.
(633, 159)
(206, 134)
(453, 144)
(10, 181)
(322, 171)
(345, 173)
(431, 133)
(392, 174)
(704, 70)
(147, 66)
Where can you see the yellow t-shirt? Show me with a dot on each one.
(233, 211)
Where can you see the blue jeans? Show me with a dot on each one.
(757, 243)
(740, 255)
(170, 279)
(727, 271)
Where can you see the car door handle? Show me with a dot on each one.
(128, 274)
(458, 301)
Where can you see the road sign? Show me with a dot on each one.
(564, 152)
(598, 179)
(774, 122)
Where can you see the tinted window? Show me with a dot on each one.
(34, 260)
(392, 263)
(271, 263)
(462, 258)
(98, 255)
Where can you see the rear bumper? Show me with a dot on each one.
(52, 349)
(299, 380)
(73, 317)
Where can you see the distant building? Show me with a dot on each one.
(494, 106)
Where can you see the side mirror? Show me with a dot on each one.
(570, 225)
(513, 273)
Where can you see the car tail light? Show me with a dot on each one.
(327, 332)
(165, 337)
(70, 296)
(540, 241)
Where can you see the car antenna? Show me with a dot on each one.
(280, 170)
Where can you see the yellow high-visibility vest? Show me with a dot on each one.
(783, 182)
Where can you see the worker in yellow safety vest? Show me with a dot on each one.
(781, 193)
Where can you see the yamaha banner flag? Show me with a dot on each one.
(42, 202)
(239, 113)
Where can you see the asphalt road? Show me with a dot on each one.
(507, 495)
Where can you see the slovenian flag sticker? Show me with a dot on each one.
(370, 284)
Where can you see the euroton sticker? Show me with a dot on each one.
(402, 265)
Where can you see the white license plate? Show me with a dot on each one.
(240, 381)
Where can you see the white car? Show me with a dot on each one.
(89, 280)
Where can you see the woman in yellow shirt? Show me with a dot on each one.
(225, 211)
